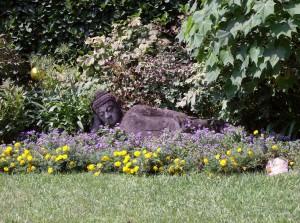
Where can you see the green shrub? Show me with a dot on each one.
(250, 51)
(12, 65)
(62, 98)
(13, 114)
(42, 25)
(139, 64)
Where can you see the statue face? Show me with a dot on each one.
(109, 113)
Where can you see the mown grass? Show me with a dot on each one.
(120, 198)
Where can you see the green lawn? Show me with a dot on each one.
(120, 198)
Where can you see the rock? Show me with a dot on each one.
(277, 166)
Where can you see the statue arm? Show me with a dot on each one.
(96, 123)
(181, 118)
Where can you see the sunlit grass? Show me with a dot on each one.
(120, 198)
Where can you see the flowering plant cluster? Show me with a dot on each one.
(111, 151)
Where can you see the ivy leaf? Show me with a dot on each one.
(285, 28)
(293, 9)
(273, 55)
(212, 60)
(212, 75)
(254, 21)
(237, 77)
(264, 8)
(226, 57)
(255, 52)
(222, 35)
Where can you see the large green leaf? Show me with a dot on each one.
(212, 60)
(273, 55)
(264, 8)
(212, 75)
(226, 57)
(284, 28)
(293, 8)
(255, 52)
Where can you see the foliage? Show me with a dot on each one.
(139, 64)
(12, 65)
(62, 99)
(13, 114)
(250, 49)
(42, 25)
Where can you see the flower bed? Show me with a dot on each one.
(172, 153)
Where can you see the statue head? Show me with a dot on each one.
(107, 108)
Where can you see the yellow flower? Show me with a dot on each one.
(12, 165)
(239, 150)
(126, 159)
(255, 132)
(126, 169)
(136, 169)
(99, 165)
(19, 158)
(275, 147)
(228, 152)
(291, 163)
(47, 156)
(50, 170)
(168, 158)
(117, 164)
(26, 152)
(134, 161)
(32, 168)
(97, 173)
(171, 169)
(182, 162)
(137, 153)
(123, 152)
(148, 155)
(144, 151)
(116, 153)
(58, 149)
(29, 157)
(250, 152)
(17, 145)
(61, 157)
(105, 158)
(8, 150)
(22, 162)
(66, 148)
(158, 149)
(128, 164)
(6, 169)
(177, 160)
(205, 161)
(91, 167)
(155, 168)
(223, 162)
(155, 155)
(218, 156)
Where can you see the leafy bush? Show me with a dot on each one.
(13, 114)
(250, 51)
(12, 65)
(114, 151)
(139, 65)
(42, 25)
(63, 98)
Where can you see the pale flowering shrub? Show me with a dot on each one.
(139, 64)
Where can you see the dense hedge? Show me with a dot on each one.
(42, 25)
